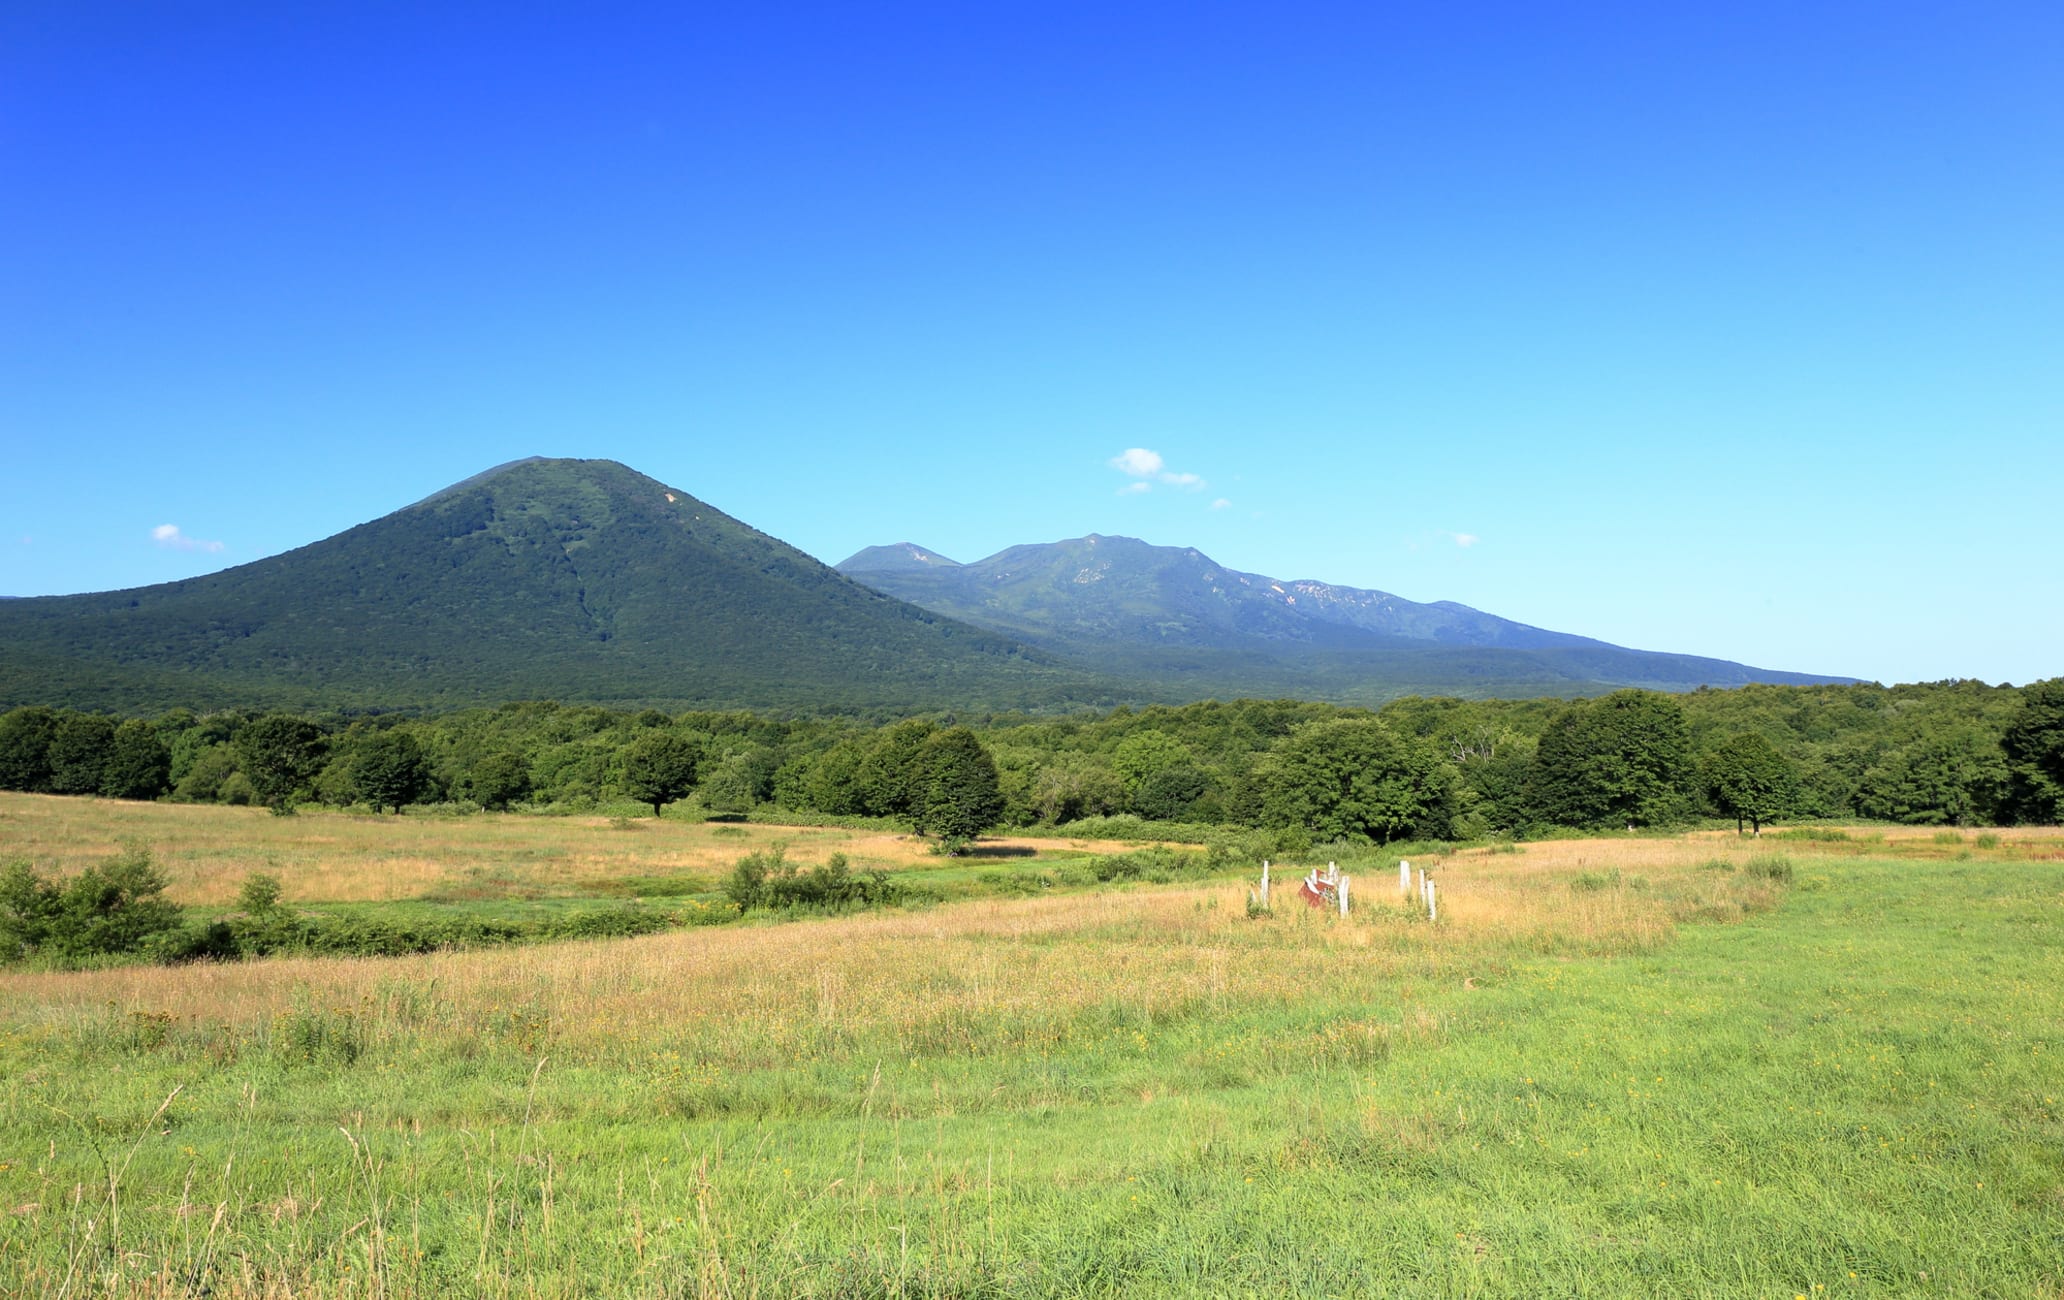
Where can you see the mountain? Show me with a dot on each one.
(564, 579)
(1176, 614)
(901, 556)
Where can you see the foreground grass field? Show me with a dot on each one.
(1635, 1067)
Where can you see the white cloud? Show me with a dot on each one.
(1138, 462)
(1220, 504)
(1465, 540)
(1149, 468)
(169, 537)
(1134, 489)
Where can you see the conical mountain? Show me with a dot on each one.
(563, 579)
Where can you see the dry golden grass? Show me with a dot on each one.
(981, 976)
(206, 851)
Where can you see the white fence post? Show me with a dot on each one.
(1264, 883)
(1431, 913)
(1343, 896)
(1404, 877)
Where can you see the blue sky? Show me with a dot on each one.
(1737, 332)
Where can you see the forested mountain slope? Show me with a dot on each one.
(564, 579)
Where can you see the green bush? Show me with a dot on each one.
(111, 908)
(766, 880)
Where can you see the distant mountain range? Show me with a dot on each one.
(1129, 606)
(582, 580)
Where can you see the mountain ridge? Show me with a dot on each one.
(1115, 592)
(588, 582)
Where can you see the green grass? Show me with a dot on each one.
(1851, 1095)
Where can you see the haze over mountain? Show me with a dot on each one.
(562, 579)
(1132, 606)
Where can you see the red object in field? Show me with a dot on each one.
(1317, 893)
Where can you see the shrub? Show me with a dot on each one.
(766, 879)
(1774, 867)
(110, 908)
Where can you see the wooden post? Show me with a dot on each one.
(1431, 914)
(1343, 896)
(1264, 884)
(1404, 877)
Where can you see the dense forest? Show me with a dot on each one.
(1949, 753)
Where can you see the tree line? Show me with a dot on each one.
(1948, 753)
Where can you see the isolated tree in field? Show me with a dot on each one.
(1355, 778)
(2034, 746)
(1746, 777)
(139, 766)
(25, 748)
(1623, 759)
(962, 795)
(660, 767)
(390, 770)
(279, 754)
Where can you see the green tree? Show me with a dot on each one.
(1170, 793)
(1953, 778)
(390, 770)
(498, 779)
(139, 766)
(1074, 785)
(660, 767)
(79, 752)
(2034, 748)
(831, 783)
(962, 796)
(740, 780)
(25, 748)
(1623, 759)
(891, 779)
(1143, 753)
(279, 754)
(1356, 778)
(1746, 777)
(206, 775)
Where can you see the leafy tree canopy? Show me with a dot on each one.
(962, 797)
(1746, 777)
(1356, 778)
(1624, 759)
(660, 767)
(279, 754)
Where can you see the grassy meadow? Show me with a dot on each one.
(1815, 1065)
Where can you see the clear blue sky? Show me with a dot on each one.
(1736, 332)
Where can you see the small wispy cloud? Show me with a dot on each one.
(170, 538)
(1221, 504)
(1148, 468)
(1465, 540)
